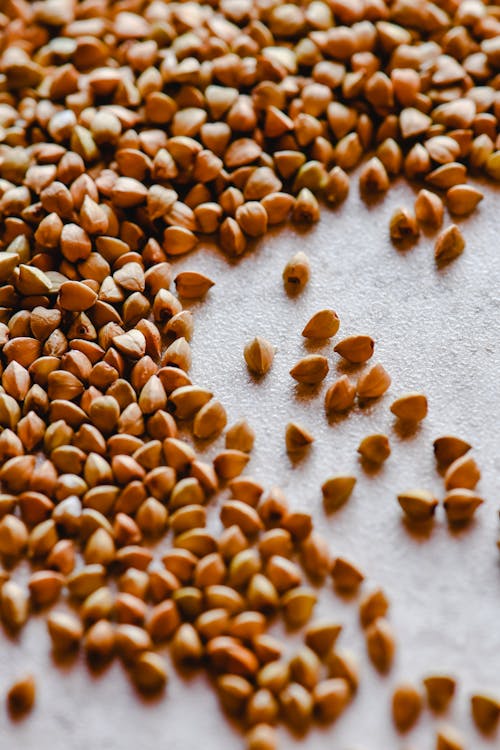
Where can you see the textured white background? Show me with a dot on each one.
(435, 331)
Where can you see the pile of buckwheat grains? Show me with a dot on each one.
(128, 130)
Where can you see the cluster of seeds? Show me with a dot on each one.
(129, 130)
(461, 475)
(408, 703)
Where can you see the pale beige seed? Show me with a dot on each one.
(330, 698)
(460, 505)
(340, 395)
(356, 349)
(311, 369)
(411, 407)
(346, 576)
(192, 285)
(374, 382)
(463, 199)
(210, 420)
(373, 605)
(485, 711)
(429, 209)
(21, 695)
(403, 226)
(449, 244)
(375, 448)
(240, 436)
(297, 437)
(380, 644)
(297, 271)
(259, 355)
(336, 491)
(462, 473)
(448, 448)
(448, 738)
(418, 505)
(406, 706)
(440, 690)
(323, 325)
